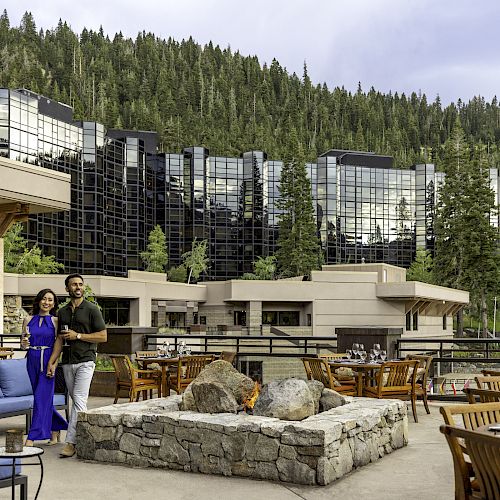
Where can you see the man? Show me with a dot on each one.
(81, 326)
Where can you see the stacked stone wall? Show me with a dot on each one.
(13, 314)
(315, 451)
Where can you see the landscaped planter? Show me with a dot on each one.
(103, 384)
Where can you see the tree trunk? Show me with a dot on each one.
(460, 323)
(484, 315)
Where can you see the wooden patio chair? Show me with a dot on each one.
(482, 395)
(491, 373)
(423, 367)
(469, 416)
(341, 374)
(6, 353)
(319, 369)
(188, 368)
(395, 380)
(133, 381)
(484, 452)
(488, 382)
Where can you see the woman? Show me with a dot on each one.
(39, 337)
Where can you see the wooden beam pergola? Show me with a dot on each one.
(10, 213)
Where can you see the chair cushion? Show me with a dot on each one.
(345, 371)
(14, 379)
(17, 403)
(6, 467)
(59, 400)
(420, 374)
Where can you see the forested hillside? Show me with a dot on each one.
(227, 102)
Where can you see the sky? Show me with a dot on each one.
(449, 48)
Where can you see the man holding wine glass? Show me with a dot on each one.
(81, 327)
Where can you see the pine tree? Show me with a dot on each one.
(298, 245)
(450, 213)
(481, 259)
(421, 267)
(155, 257)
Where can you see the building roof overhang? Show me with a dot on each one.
(28, 189)
(419, 297)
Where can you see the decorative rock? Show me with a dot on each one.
(316, 388)
(331, 399)
(212, 397)
(288, 399)
(224, 373)
(295, 472)
(172, 451)
(130, 443)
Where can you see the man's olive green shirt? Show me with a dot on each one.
(86, 318)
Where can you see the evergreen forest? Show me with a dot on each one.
(228, 102)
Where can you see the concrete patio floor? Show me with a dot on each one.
(423, 469)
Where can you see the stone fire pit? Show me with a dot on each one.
(315, 451)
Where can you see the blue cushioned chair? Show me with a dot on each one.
(19, 479)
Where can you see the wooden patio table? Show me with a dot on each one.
(361, 369)
(164, 363)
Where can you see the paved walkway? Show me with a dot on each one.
(423, 469)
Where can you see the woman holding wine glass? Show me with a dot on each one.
(39, 335)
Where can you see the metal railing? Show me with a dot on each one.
(264, 345)
(12, 340)
(446, 350)
(452, 357)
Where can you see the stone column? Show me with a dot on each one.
(254, 316)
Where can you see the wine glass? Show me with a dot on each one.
(376, 350)
(170, 350)
(355, 349)
(362, 355)
(348, 354)
(187, 350)
(372, 355)
(65, 329)
(27, 336)
(383, 355)
(361, 347)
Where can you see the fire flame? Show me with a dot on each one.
(250, 402)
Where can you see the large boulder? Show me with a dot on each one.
(331, 399)
(289, 399)
(212, 397)
(316, 388)
(223, 373)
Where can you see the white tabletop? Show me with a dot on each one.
(28, 451)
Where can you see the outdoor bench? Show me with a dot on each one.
(16, 395)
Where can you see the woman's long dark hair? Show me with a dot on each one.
(40, 295)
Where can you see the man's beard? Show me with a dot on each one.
(76, 295)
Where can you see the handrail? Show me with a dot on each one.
(267, 345)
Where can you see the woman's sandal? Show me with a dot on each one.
(28, 442)
(56, 438)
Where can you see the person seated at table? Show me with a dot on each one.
(39, 336)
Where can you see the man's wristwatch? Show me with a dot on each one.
(78, 336)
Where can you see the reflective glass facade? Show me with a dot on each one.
(366, 210)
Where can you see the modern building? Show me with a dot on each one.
(121, 187)
(338, 296)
